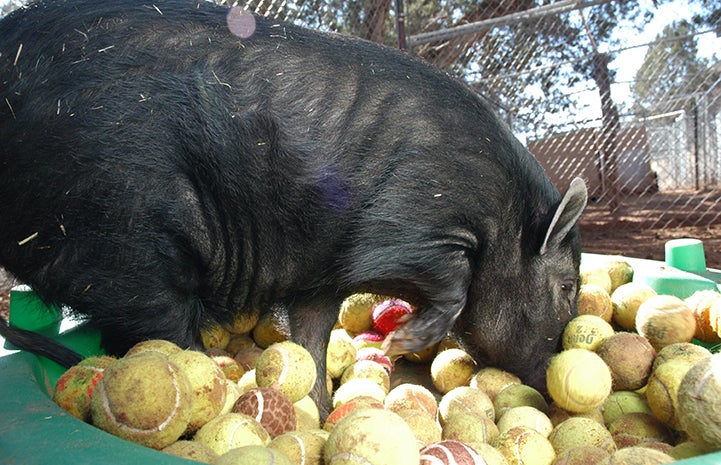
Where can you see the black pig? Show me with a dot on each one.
(168, 164)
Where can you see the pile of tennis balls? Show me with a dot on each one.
(629, 387)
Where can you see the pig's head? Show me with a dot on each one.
(519, 301)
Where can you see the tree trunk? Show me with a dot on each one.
(607, 156)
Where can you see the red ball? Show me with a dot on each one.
(389, 315)
(343, 410)
(450, 452)
(369, 339)
(376, 355)
(270, 407)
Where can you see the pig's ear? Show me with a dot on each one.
(567, 214)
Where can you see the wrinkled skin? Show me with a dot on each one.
(160, 172)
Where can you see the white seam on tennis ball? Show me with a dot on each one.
(261, 405)
(301, 446)
(285, 359)
(517, 449)
(433, 460)
(231, 436)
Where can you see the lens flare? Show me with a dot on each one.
(241, 22)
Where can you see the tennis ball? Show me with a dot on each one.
(232, 393)
(516, 395)
(581, 455)
(376, 355)
(465, 399)
(244, 322)
(450, 452)
(681, 351)
(301, 447)
(208, 383)
(522, 446)
(626, 299)
(289, 367)
(664, 320)
(424, 355)
(355, 315)
(232, 430)
(366, 369)
(272, 327)
(372, 436)
(359, 387)
(247, 381)
(160, 346)
(74, 389)
(686, 450)
(491, 455)
(620, 272)
(341, 353)
(213, 335)
(586, 332)
(633, 429)
(248, 357)
(411, 396)
(228, 365)
(662, 390)
(636, 456)
(253, 455)
(191, 450)
(239, 342)
(425, 429)
(155, 419)
(471, 428)
(622, 402)
(307, 415)
(597, 275)
(368, 338)
(270, 407)
(578, 380)
(389, 315)
(579, 431)
(557, 415)
(630, 357)
(527, 417)
(699, 403)
(452, 368)
(594, 300)
(343, 410)
(493, 380)
(706, 307)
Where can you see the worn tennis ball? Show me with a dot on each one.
(491, 455)
(524, 446)
(597, 275)
(620, 272)
(230, 367)
(471, 428)
(389, 315)
(214, 335)
(239, 342)
(270, 407)
(307, 415)
(630, 357)
(681, 351)
(253, 455)
(465, 399)
(626, 299)
(247, 381)
(248, 357)
(636, 456)
(208, 382)
(301, 447)
(699, 403)
(558, 415)
(343, 410)
(411, 396)
(493, 380)
(232, 393)
(367, 369)
(581, 455)
(191, 450)
(706, 307)
(368, 338)
(578, 380)
(356, 312)
(579, 431)
(686, 450)
(633, 429)
(662, 390)
(424, 355)
(586, 332)
(232, 430)
(664, 320)
(244, 322)
(516, 395)
(622, 402)
(595, 300)
(74, 389)
(272, 327)
(143, 398)
(452, 368)
(376, 355)
(425, 429)
(359, 387)
(527, 417)
(289, 367)
(450, 452)
(341, 353)
(160, 346)
(374, 436)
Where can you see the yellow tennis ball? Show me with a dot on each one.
(664, 320)
(493, 380)
(525, 446)
(191, 450)
(586, 332)
(579, 431)
(626, 299)
(232, 430)
(452, 368)
(699, 402)
(356, 312)
(594, 300)
(662, 390)
(636, 455)
(341, 353)
(289, 367)
(578, 380)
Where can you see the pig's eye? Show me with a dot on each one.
(568, 288)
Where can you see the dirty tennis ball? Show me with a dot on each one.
(493, 380)
(372, 436)
(307, 415)
(425, 429)
(376, 355)
(343, 410)
(355, 315)
(516, 395)
(662, 390)
(367, 369)
(626, 300)
(594, 300)
(208, 382)
(232, 393)
(191, 450)
(578, 380)
(525, 446)
(289, 367)
(559, 415)
(244, 322)
(424, 355)
(527, 417)
(636, 428)
(270, 407)
(622, 402)
(596, 275)
(367, 339)
(471, 428)
(74, 389)
(581, 455)
(411, 396)
(636, 456)
(239, 342)
(706, 307)
(248, 357)
(228, 365)
(301, 447)
(586, 332)
(664, 320)
(359, 387)
(272, 327)
(450, 452)
(389, 315)
(681, 351)
(620, 272)
(160, 346)
(253, 455)
(341, 353)
(232, 430)
(686, 450)
(452, 368)
(579, 431)
(214, 335)
(465, 399)
(699, 403)
(157, 418)
(630, 358)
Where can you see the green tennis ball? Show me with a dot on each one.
(232, 430)
(662, 391)
(686, 450)
(244, 322)
(287, 366)
(452, 368)
(620, 272)
(578, 431)
(75, 387)
(622, 402)
(699, 403)
(272, 327)
(213, 335)
(558, 415)
(524, 446)
(516, 395)
(159, 416)
(367, 369)
(160, 346)
(307, 415)
(375, 436)
(191, 450)
(356, 312)
(253, 455)
(359, 387)
(685, 351)
(578, 380)
(301, 447)
(636, 456)
(581, 455)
